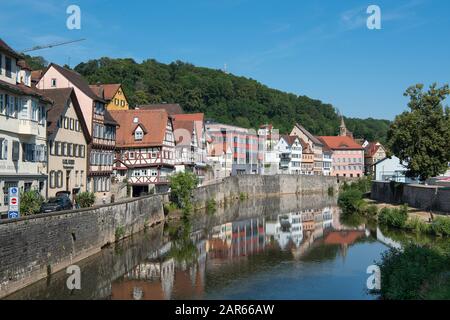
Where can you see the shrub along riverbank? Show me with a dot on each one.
(418, 270)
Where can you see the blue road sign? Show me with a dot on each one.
(13, 214)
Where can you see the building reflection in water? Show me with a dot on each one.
(165, 276)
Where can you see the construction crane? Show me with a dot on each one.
(51, 45)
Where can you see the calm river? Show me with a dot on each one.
(277, 248)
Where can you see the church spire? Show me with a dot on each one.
(343, 131)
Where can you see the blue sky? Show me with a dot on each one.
(319, 48)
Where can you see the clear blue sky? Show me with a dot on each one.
(320, 48)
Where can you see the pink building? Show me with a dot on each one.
(347, 156)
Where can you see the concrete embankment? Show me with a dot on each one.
(417, 196)
(34, 247)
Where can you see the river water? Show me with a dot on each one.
(278, 248)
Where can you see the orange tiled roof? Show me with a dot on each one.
(343, 237)
(154, 122)
(340, 143)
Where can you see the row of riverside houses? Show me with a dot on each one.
(58, 134)
(235, 151)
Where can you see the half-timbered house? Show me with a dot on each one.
(145, 149)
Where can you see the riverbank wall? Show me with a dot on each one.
(35, 247)
(251, 186)
(422, 197)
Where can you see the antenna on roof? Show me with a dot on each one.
(56, 44)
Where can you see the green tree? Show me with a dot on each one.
(420, 137)
(85, 199)
(224, 97)
(36, 63)
(30, 202)
(182, 186)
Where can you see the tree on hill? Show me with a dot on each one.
(36, 63)
(420, 137)
(223, 97)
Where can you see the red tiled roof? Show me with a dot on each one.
(181, 129)
(154, 122)
(343, 237)
(372, 148)
(340, 143)
(105, 91)
(196, 118)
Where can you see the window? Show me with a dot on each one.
(138, 134)
(70, 149)
(82, 152)
(53, 83)
(52, 179)
(116, 102)
(29, 152)
(15, 151)
(10, 108)
(66, 123)
(3, 149)
(77, 126)
(2, 103)
(76, 150)
(72, 124)
(6, 187)
(122, 103)
(59, 181)
(34, 111)
(8, 67)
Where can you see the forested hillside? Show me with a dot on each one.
(223, 97)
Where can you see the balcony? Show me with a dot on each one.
(28, 128)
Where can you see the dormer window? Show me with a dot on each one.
(138, 134)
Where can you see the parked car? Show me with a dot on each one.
(56, 204)
(63, 194)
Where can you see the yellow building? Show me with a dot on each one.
(113, 95)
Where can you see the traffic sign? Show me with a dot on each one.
(13, 214)
(14, 203)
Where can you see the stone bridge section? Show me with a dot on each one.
(31, 248)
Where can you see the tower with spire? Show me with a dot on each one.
(343, 131)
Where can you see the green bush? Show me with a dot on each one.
(350, 201)
(30, 202)
(417, 225)
(393, 217)
(182, 185)
(371, 210)
(441, 226)
(408, 274)
(85, 199)
(169, 207)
